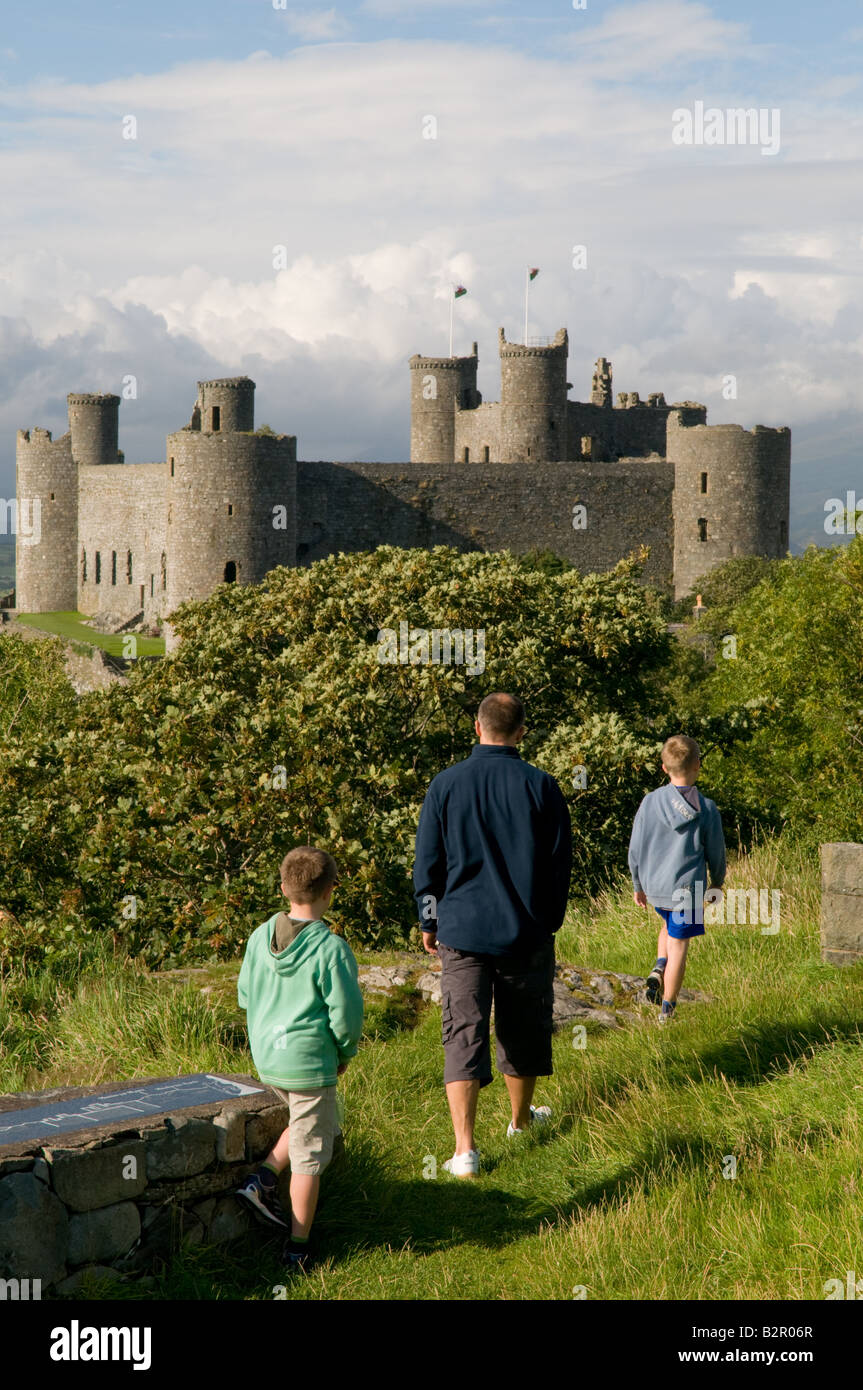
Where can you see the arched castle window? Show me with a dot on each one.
(231, 572)
(113, 567)
(217, 418)
(164, 570)
(128, 566)
(83, 566)
(704, 482)
(702, 528)
(98, 567)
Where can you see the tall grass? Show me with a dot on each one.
(629, 1194)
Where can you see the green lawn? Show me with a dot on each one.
(624, 1197)
(72, 626)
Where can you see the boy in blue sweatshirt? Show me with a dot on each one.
(676, 837)
(298, 985)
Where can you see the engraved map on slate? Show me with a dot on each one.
(159, 1097)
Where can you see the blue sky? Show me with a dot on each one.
(303, 128)
(92, 39)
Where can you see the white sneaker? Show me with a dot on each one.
(539, 1115)
(463, 1165)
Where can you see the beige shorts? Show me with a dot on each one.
(314, 1124)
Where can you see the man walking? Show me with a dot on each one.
(493, 860)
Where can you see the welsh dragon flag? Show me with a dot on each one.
(533, 272)
(459, 291)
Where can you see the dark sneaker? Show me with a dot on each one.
(296, 1261)
(655, 986)
(264, 1201)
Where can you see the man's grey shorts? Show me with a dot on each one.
(521, 985)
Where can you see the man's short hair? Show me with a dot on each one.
(307, 873)
(680, 753)
(501, 715)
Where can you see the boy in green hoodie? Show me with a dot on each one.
(298, 985)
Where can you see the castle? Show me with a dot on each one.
(589, 480)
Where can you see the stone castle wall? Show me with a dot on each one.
(47, 494)
(533, 401)
(222, 492)
(357, 506)
(731, 495)
(478, 430)
(122, 559)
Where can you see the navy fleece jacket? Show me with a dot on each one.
(494, 852)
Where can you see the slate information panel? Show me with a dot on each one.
(154, 1098)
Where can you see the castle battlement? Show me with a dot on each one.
(228, 503)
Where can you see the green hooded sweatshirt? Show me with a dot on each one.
(304, 1006)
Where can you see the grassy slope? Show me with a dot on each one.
(72, 626)
(625, 1196)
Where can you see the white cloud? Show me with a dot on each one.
(155, 256)
(316, 26)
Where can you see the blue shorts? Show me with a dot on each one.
(678, 927)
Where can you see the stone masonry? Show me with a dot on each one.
(114, 1201)
(842, 903)
(591, 480)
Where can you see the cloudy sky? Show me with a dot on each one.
(306, 128)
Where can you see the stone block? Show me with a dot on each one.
(162, 1231)
(83, 1279)
(33, 1230)
(263, 1130)
(230, 1221)
(42, 1170)
(184, 1147)
(219, 1180)
(86, 1179)
(842, 923)
(15, 1165)
(842, 868)
(230, 1136)
(204, 1211)
(103, 1234)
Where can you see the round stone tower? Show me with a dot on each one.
(533, 401)
(439, 386)
(231, 499)
(93, 424)
(46, 543)
(731, 494)
(227, 404)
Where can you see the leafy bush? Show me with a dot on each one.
(159, 812)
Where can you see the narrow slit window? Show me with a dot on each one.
(98, 567)
(485, 454)
(217, 418)
(128, 566)
(113, 567)
(231, 572)
(164, 570)
(83, 567)
(702, 528)
(704, 482)
(467, 455)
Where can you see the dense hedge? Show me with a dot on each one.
(159, 812)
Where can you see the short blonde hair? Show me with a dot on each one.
(307, 873)
(680, 754)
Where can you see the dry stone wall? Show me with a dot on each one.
(115, 1200)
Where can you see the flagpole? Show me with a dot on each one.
(526, 296)
(451, 304)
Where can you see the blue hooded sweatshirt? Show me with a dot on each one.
(672, 846)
